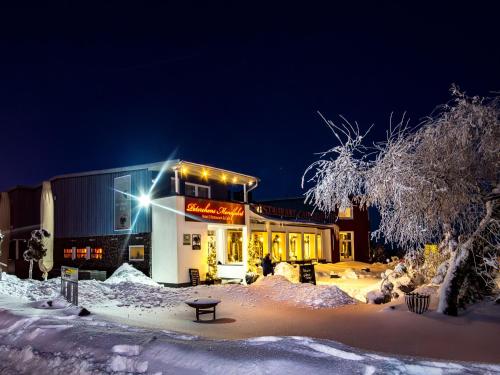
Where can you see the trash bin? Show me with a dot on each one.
(417, 303)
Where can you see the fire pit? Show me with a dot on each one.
(203, 306)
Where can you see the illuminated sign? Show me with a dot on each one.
(293, 214)
(214, 211)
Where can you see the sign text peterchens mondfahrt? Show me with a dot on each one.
(214, 211)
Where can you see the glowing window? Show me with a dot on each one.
(82, 253)
(259, 241)
(136, 253)
(278, 246)
(96, 253)
(319, 246)
(70, 253)
(234, 246)
(346, 213)
(309, 246)
(294, 246)
(346, 245)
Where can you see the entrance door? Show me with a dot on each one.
(346, 246)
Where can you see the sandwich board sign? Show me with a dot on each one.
(307, 274)
(69, 284)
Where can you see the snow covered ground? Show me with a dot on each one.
(138, 326)
(129, 287)
(355, 279)
(53, 342)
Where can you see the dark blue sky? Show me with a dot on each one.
(231, 84)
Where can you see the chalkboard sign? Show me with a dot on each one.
(194, 276)
(307, 274)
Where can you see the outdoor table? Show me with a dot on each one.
(203, 306)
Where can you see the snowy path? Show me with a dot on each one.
(54, 342)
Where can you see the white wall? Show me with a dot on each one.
(164, 240)
(187, 257)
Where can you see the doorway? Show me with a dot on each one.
(346, 246)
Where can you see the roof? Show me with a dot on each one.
(158, 166)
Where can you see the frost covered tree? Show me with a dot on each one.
(36, 249)
(438, 182)
(1, 264)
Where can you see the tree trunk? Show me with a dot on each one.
(31, 270)
(453, 281)
(45, 272)
(458, 267)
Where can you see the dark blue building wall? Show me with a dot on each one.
(84, 205)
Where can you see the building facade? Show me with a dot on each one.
(166, 218)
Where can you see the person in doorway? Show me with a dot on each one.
(267, 265)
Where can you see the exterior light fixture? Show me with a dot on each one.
(144, 200)
(184, 170)
(224, 178)
(234, 180)
(204, 173)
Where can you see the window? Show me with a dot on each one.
(136, 253)
(278, 246)
(70, 253)
(190, 190)
(96, 253)
(309, 246)
(295, 246)
(203, 192)
(195, 190)
(83, 253)
(346, 245)
(234, 246)
(319, 246)
(346, 213)
(259, 241)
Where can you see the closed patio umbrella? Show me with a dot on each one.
(47, 223)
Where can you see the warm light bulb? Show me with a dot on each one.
(224, 178)
(234, 180)
(204, 173)
(184, 170)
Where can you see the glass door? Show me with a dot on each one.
(346, 246)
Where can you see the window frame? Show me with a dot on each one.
(351, 241)
(196, 192)
(350, 217)
(143, 253)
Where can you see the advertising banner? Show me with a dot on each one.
(122, 202)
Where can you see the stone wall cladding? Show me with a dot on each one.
(115, 252)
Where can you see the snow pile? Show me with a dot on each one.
(349, 273)
(29, 290)
(128, 274)
(279, 289)
(287, 270)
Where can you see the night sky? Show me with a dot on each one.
(231, 84)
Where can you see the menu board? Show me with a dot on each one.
(307, 274)
(194, 276)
